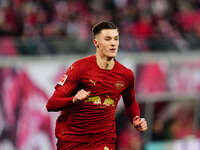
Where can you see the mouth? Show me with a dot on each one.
(113, 49)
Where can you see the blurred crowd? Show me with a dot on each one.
(170, 118)
(175, 121)
(172, 121)
(145, 25)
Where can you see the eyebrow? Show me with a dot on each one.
(111, 37)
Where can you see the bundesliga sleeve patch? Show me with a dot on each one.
(63, 79)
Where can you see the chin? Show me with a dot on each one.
(112, 55)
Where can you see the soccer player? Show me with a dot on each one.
(88, 94)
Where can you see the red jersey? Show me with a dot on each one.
(92, 119)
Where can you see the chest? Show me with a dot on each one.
(103, 82)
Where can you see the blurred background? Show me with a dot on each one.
(159, 41)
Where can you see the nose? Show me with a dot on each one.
(113, 43)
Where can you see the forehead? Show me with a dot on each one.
(109, 32)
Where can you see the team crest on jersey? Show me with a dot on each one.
(119, 85)
(63, 79)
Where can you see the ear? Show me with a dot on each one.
(96, 43)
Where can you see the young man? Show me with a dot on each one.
(88, 94)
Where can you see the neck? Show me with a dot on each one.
(105, 62)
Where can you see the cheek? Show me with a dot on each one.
(117, 43)
(104, 44)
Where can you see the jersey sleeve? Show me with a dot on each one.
(62, 95)
(131, 105)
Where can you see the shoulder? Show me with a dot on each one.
(80, 65)
(128, 74)
(125, 70)
(83, 62)
(77, 68)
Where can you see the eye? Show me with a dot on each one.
(116, 38)
(107, 38)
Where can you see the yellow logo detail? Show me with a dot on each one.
(93, 82)
(106, 148)
(109, 101)
(95, 100)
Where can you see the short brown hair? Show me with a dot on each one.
(103, 25)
